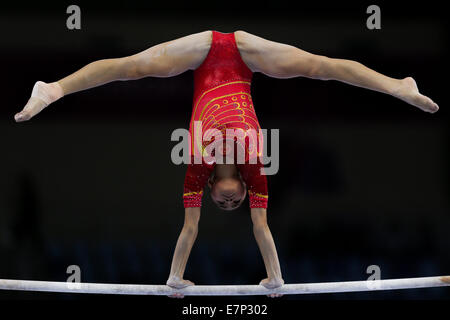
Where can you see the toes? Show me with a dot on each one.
(18, 117)
(22, 117)
(434, 106)
(425, 103)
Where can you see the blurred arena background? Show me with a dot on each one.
(363, 177)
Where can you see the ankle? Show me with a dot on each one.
(47, 92)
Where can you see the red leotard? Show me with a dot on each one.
(222, 100)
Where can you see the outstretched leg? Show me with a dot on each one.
(163, 60)
(280, 60)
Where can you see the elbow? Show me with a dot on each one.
(259, 218)
(130, 70)
(261, 229)
(191, 225)
(260, 225)
(190, 229)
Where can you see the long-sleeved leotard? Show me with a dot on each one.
(222, 101)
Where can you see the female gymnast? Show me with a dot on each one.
(223, 65)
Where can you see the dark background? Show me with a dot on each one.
(363, 177)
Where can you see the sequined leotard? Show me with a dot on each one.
(222, 100)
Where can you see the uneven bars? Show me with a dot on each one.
(225, 290)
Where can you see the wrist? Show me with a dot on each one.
(173, 277)
(275, 278)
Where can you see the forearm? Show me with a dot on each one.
(356, 74)
(182, 250)
(268, 250)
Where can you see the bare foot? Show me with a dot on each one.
(408, 92)
(272, 283)
(177, 283)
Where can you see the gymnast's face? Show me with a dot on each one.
(227, 193)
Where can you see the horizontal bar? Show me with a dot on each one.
(225, 290)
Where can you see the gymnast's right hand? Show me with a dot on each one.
(177, 283)
(272, 283)
(42, 95)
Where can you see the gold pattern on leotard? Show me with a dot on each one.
(192, 193)
(216, 87)
(214, 116)
(257, 194)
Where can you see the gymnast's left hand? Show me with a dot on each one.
(272, 283)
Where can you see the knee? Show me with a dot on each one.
(190, 229)
(130, 67)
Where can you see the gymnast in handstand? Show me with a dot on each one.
(223, 65)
